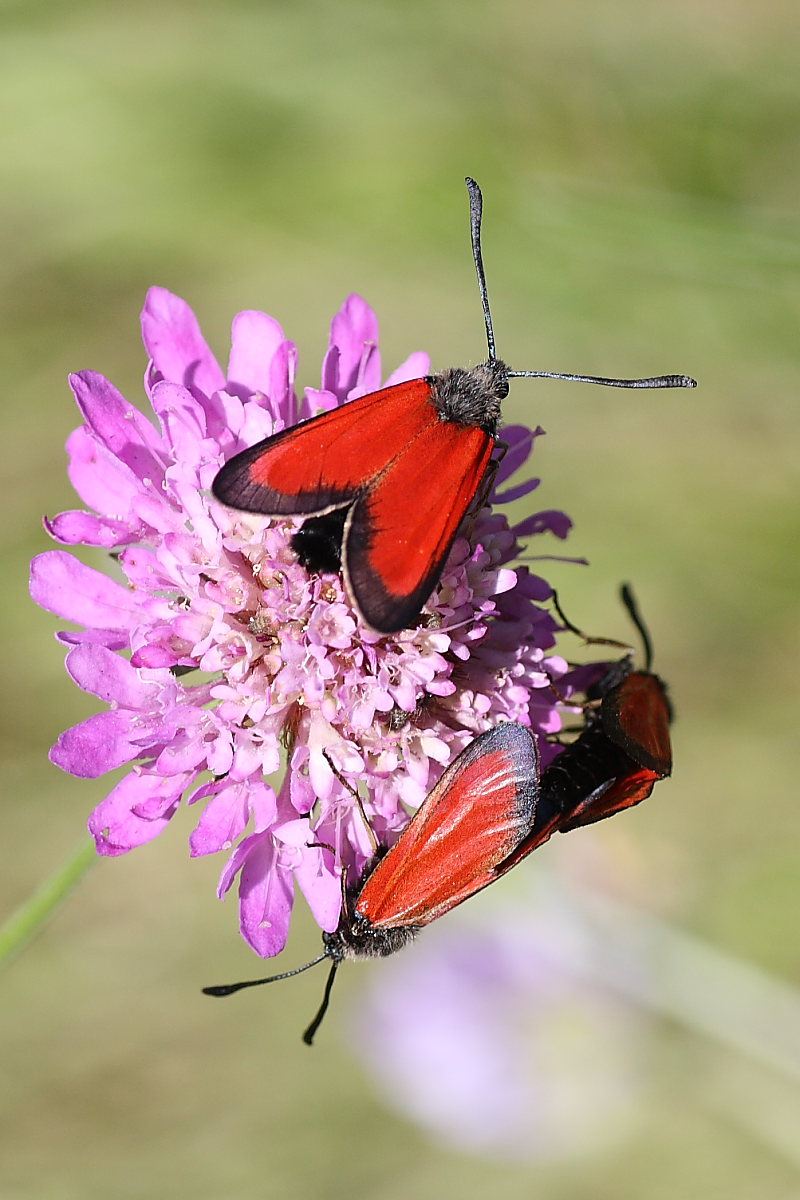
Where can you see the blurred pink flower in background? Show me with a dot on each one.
(498, 1036)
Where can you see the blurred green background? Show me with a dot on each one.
(641, 168)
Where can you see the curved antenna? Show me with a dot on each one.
(475, 215)
(308, 1036)
(629, 600)
(587, 638)
(656, 381)
(475, 218)
(227, 989)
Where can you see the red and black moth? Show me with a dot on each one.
(492, 807)
(619, 756)
(386, 480)
(461, 839)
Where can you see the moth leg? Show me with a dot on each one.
(359, 803)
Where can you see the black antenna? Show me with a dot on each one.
(308, 1036)
(587, 638)
(475, 217)
(629, 600)
(227, 989)
(656, 381)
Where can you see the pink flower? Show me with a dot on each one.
(219, 656)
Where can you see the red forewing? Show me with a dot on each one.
(327, 461)
(636, 715)
(406, 474)
(544, 825)
(457, 840)
(400, 530)
(613, 765)
(612, 798)
(369, 457)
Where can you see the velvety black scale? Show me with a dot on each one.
(318, 543)
(590, 763)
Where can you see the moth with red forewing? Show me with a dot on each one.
(618, 758)
(459, 841)
(491, 808)
(387, 478)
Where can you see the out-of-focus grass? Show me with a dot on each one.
(640, 165)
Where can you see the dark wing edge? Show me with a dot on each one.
(636, 716)
(611, 799)
(325, 462)
(400, 531)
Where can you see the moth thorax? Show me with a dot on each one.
(471, 395)
(358, 938)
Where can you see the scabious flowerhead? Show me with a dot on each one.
(219, 656)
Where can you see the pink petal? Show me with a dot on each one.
(266, 893)
(293, 833)
(182, 419)
(116, 828)
(63, 585)
(118, 425)
(352, 365)
(186, 751)
(281, 382)
(519, 440)
(101, 479)
(316, 401)
(77, 527)
(255, 341)
(515, 493)
(111, 638)
(533, 586)
(144, 569)
(223, 820)
(505, 579)
(173, 340)
(99, 744)
(321, 887)
(226, 816)
(111, 677)
(415, 366)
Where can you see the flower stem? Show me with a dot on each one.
(34, 913)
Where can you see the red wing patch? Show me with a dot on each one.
(401, 529)
(611, 798)
(483, 804)
(536, 837)
(636, 716)
(327, 461)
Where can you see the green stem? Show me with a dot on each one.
(34, 913)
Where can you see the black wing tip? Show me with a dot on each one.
(230, 482)
(514, 732)
(379, 609)
(219, 494)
